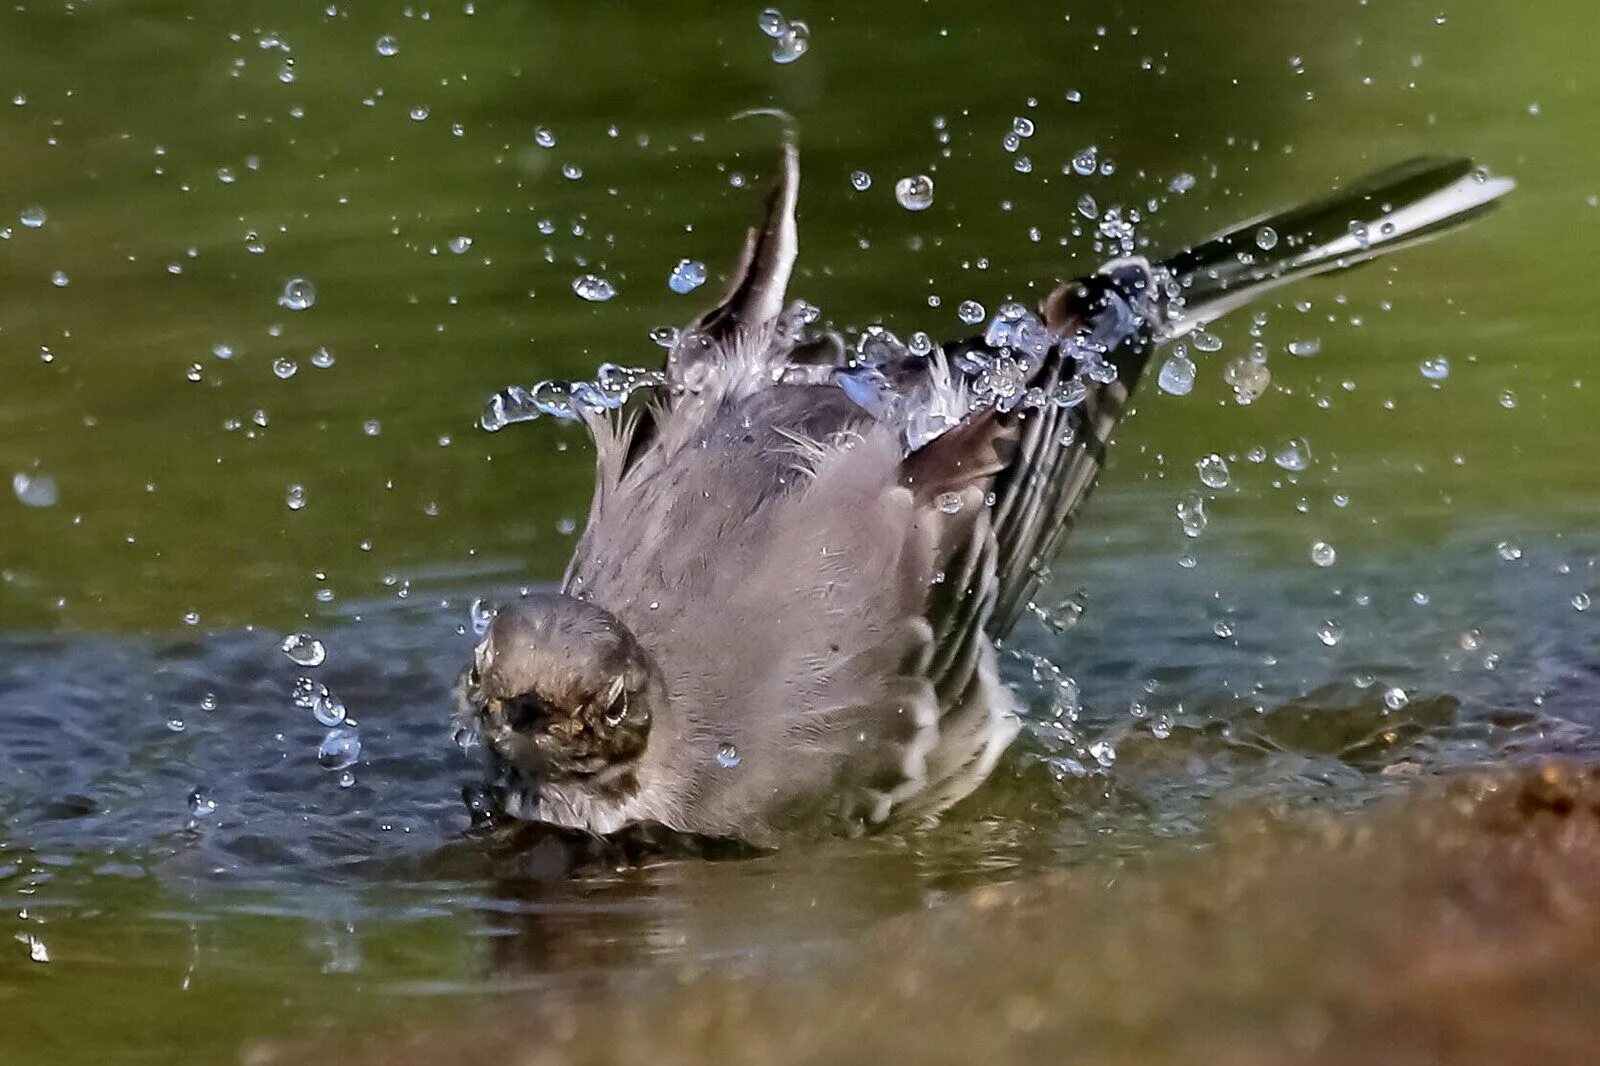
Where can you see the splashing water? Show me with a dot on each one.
(611, 388)
(953, 385)
(35, 490)
(303, 649)
(593, 288)
(914, 193)
(791, 39)
(687, 276)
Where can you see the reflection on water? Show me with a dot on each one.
(253, 307)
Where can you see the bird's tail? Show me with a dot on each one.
(1118, 317)
(1384, 212)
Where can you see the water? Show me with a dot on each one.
(218, 883)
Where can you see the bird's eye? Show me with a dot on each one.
(618, 709)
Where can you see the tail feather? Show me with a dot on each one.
(1132, 307)
(1395, 208)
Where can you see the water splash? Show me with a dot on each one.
(914, 193)
(611, 389)
(303, 649)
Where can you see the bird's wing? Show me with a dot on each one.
(1029, 470)
(756, 290)
(1119, 316)
(728, 349)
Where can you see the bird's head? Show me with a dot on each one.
(561, 690)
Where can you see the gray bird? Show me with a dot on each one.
(781, 616)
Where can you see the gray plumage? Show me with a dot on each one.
(781, 614)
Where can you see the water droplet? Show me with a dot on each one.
(860, 180)
(772, 22)
(295, 497)
(387, 45)
(33, 216)
(328, 709)
(665, 336)
(59, 279)
(1207, 342)
(1086, 161)
(687, 276)
(419, 113)
(727, 756)
(34, 490)
(1305, 348)
(914, 193)
(347, 778)
(306, 692)
(1177, 376)
(176, 724)
(1330, 632)
(201, 804)
(1508, 551)
(322, 359)
(1395, 698)
(303, 649)
(1022, 126)
(794, 43)
(1248, 378)
(1508, 399)
(339, 749)
(1222, 629)
(510, 404)
(970, 311)
(1182, 183)
(1322, 553)
(1266, 238)
(298, 294)
(1063, 616)
(554, 398)
(1582, 601)
(1436, 369)
(37, 951)
(460, 245)
(1192, 514)
(1293, 455)
(1213, 470)
(481, 614)
(593, 288)
(948, 502)
(1103, 753)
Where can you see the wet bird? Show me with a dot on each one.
(782, 613)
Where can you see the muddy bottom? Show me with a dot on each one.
(1458, 924)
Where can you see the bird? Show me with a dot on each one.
(781, 618)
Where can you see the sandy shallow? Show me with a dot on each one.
(1460, 924)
